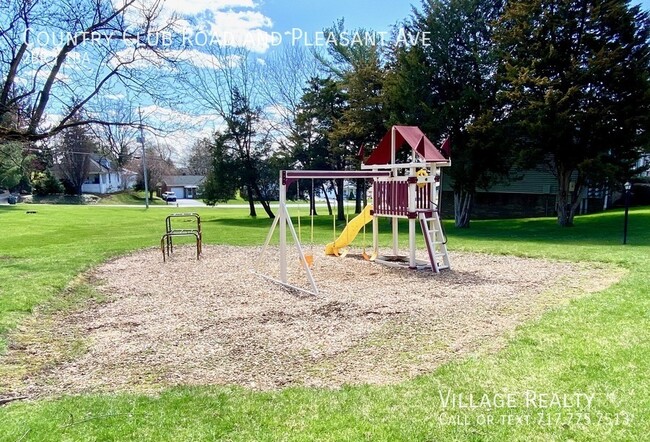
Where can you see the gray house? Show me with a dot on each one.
(533, 195)
(184, 186)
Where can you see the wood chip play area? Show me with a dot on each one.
(212, 322)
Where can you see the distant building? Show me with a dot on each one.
(644, 164)
(184, 186)
(533, 195)
(103, 178)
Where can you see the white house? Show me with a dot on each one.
(102, 178)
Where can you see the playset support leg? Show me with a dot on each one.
(283, 229)
(284, 220)
(395, 222)
(412, 229)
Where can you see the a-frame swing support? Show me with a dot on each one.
(283, 221)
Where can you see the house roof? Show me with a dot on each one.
(99, 165)
(410, 136)
(183, 180)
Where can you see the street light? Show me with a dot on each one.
(628, 187)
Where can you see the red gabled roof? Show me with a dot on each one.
(413, 137)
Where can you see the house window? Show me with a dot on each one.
(92, 179)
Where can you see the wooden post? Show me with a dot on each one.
(283, 227)
(412, 193)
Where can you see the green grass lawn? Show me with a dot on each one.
(597, 346)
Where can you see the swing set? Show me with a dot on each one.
(408, 190)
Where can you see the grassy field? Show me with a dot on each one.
(129, 198)
(593, 355)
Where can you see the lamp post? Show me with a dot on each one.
(628, 187)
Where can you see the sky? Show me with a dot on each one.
(315, 15)
(261, 25)
(280, 17)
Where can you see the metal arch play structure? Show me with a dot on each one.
(401, 190)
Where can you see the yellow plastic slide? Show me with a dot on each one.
(350, 232)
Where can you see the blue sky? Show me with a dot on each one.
(313, 16)
(259, 19)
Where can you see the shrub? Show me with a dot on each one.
(45, 183)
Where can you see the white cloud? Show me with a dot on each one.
(194, 7)
(202, 59)
(234, 22)
(114, 97)
(182, 129)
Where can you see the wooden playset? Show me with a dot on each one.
(405, 168)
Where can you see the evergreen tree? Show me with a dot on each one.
(239, 153)
(223, 180)
(314, 146)
(360, 75)
(576, 87)
(448, 88)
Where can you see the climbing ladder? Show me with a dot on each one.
(167, 240)
(435, 239)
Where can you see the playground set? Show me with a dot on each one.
(401, 190)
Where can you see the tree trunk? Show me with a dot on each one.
(251, 202)
(358, 196)
(365, 196)
(463, 201)
(265, 204)
(312, 203)
(327, 199)
(340, 199)
(567, 201)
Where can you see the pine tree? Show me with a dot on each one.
(576, 87)
(315, 147)
(222, 181)
(448, 88)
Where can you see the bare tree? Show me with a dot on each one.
(159, 164)
(70, 50)
(228, 85)
(285, 74)
(118, 143)
(199, 157)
